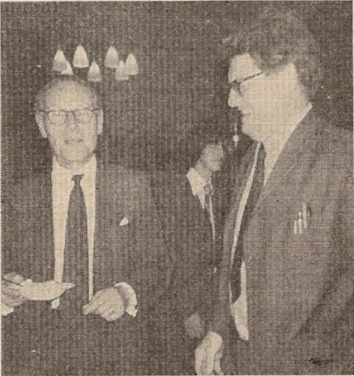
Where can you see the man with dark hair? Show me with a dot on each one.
(189, 208)
(285, 297)
(81, 248)
(192, 282)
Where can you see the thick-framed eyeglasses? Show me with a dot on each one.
(81, 115)
(236, 85)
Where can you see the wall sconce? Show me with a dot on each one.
(123, 69)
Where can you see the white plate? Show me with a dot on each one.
(49, 290)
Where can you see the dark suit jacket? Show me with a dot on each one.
(133, 253)
(188, 235)
(299, 287)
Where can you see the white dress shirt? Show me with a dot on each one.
(198, 185)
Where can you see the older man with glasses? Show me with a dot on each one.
(286, 285)
(81, 248)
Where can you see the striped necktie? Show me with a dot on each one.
(209, 207)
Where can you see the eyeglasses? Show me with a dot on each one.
(236, 85)
(81, 115)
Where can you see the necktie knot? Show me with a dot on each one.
(77, 179)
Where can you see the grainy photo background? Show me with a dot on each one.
(180, 82)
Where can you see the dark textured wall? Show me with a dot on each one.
(180, 83)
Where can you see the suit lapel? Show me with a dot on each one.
(109, 196)
(196, 211)
(47, 222)
(36, 224)
(110, 239)
(110, 203)
(242, 176)
(291, 162)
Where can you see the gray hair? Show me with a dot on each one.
(56, 82)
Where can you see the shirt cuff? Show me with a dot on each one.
(130, 296)
(6, 310)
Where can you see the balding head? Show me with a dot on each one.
(63, 83)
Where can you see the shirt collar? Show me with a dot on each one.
(88, 170)
(196, 181)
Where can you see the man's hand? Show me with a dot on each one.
(107, 303)
(194, 326)
(208, 355)
(11, 290)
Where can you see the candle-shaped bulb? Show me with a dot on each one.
(59, 63)
(112, 59)
(94, 74)
(121, 74)
(131, 65)
(68, 70)
(80, 58)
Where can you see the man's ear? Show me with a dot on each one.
(41, 123)
(284, 81)
(100, 122)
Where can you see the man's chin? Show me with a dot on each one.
(76, 158)
(249, 128)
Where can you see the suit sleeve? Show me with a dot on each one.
(7, 238)
(189, 280)
(148, 265)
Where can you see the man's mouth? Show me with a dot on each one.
(71, 141)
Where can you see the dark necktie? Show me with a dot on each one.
(253, 197)
(76, 248)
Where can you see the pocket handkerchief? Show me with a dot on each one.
(302, 221)
(124, 222)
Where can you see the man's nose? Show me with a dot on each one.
(70, 121)
(234, 98)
